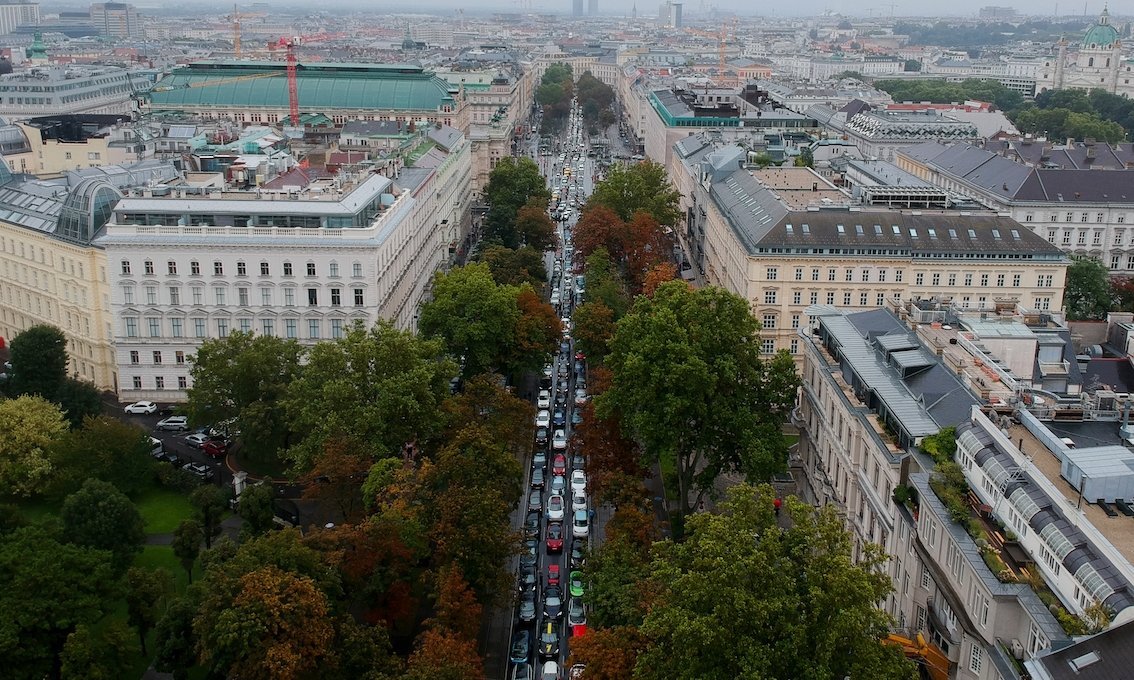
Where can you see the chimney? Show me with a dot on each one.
(1070, 142)
(1090, 152)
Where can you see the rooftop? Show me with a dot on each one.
(1105, 656)
(799, 187)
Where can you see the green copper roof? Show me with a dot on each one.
(1102, 35)
(322, 87)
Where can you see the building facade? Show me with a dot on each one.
(52, 90)
(1098, 62)
(116, 20)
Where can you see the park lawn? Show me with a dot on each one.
(162, 557)
(163, 509)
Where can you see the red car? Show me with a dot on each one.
(553, 574)
(559, 465)
(555, 537)
(215, 448)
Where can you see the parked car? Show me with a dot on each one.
(541, 436)
(555, 508)
(553, 603)
(576, 583)
(537, 478)
(531, 525)
(197, 440)
(199, 470)
(559, 441)
(559, 418)
(535, 501)
(172, 458)
(174, 423)
(559, 464)
(530, 554)
(543, 419)
(140, 407)
(581, 524)
(521, 647)
(527, 579)
(539, 459)
(578, 501)
(528, 607)
(549, 640)
(580, 396)
(157, 449)
(543, 401)
(215, 448)
(578, 480)
(550, 671)
(167, 410)
(576, 613)
(553, 574)
(578, 558)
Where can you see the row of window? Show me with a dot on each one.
(243, 296)
(241, 268)
(881, 275)
(199, 328)
(1083, 217)
(159, 382)
(135, 357)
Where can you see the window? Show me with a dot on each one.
(882, 276)
(313, 329)
(128, 295)
(336, 298)
(289, 328)
(312, 297)
(769, 321)
(849, 275)
(154, 327)
(242, 296)
(334, 269)
(1066, 237)
(830, 298)
(134, 357)
(980, 301)
(1082, 237)
(357, 297)
(795, 345)
(999, 280)
(182, 382)
(831, 274)
(198, 295)
(797, 298)
(218, 268)
(976, 657)
(795, 321)
(311, 269)
(1028, 217)
(1015, 280)
(222, 328)
(151, 295)
(814, 298)
(846, 299)
(952, 279)
(336, 328)
(1114, 261)
(157, 356)
(1044, 280)
(219, 292)
(171, 267)
(1051, 236)
(1096, 238)
(159, 383)
(149, 266)
(289, 297)
(287, 269)
(1118, 237)
(137, 382)
(125, 267)
(799, 273)
(919, 279)
(241, 269)
(1083, 217)
(356, 270)
(880, 299)
(175, 324)
(768, 346)
(265, 270)
(198, 328)
(195, 268)
(815, 274)
(862, 298)
(245, 325)
(984, 280)
(898, 275)
(267, 327)
(865, 275)
(936, 279)
(769, 297)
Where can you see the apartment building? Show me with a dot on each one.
(52, 90)
(786, 239)
(302, 261)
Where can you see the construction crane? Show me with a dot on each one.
(292, 76)
(235, 31)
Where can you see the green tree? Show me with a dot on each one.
(105, 448)
(210, 504)
(641, 187)
(594, 329)
(187, 540)
(39, 361)
(537, 335)
(534, 228)
(256, 509)
(100, 516)
(1087, 294)
(175, 644)
(741, 597)
(691, 386)
(911, 65)
(105, 655)
(145, 590)
(516, 267)
(50, 588)
(382, 387)
(512, 184)
(244, 378)
(603, 284)
(78, 400)
(28, 426)
(805, 159)
(474, 317)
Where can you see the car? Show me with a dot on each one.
(537, 478)
(581, 524)
(541, 436)
(215, 448)
(157, 448)
(580, 368)
(531, 525)
(539, 459)
(576, 417)
(543, 401)
(553, 574)
(566, 323)
(578, 501)
(535, 501)
(578, 480)
(554, 537)
(559, 418)
(197, 440)
(172, 458)
(530, 554)
(142, 407)
(555, 508)
(563, 370)
(528, 607)
(549, 640)
(578, 558)
(174, 423)
(553, 603)
(167, 410)
(543, 419)
(559, 441)
(576, 613)
(521, 647)
(550, 671)
(575, 583)
(199, 470)
(559, 464)
(527, 578)
(564, 347)
(580, 396)
(561, 399)
(558, 484)
(577, 460)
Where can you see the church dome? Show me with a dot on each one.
(1102, 35)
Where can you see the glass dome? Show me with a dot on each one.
(86, 210)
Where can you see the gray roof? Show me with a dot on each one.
(1105, 656)
(446, 137)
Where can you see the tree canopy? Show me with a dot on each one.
(105, 448)
(28, 427)
(642, 187)
(1087, 294)
(100, 516)
(39, 361)
(512, 184)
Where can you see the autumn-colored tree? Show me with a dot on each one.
(594, 327)
(658, 274)
(599, 227)
(533, 227)
(644, 244)
(536, 335)
(608, 653)
(336, 477)
(622, 490)
(456, 605)
(516, 267)
(485, 402)
(442, 655)
(608, 452)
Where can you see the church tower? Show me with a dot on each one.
(1100, 56)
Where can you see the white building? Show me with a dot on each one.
(302, 262)
(14, 14)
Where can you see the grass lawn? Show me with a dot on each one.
(163, 509)
(162, 557)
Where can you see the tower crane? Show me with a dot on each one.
(292, 76)
(235, 31)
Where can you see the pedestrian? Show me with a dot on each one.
(777, 503)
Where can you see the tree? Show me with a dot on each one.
(90, 656)
(100, 516)
(382, 387)
(605, 285)
(643, 187)
(336, 478)
(658, 274)
(187, 540)
(38, 619)
(608, 653)
(276, 627)
(911, 65)
(798, 604)
(516, 267)
(617, 571)
(1087, 295)
(645, 245)
(537, 334)
(609, 452)
(106, 449)
(805, 159)
(175, 644)
(691, 387)
(594, 328)
(485, 403)
(361, 652)
(145, 588)
(244, 378)
(474, 317)
(28, 426)
(443, 655)
(599, 227)
(256, 509)
(534, 228)
(79, 400)
(210, 504)
(511, 185)
(39, 362)
(456, 605)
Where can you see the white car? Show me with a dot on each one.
(559, 440)
(580, 524)
(578, 481)
(196, 440)
(175, 423)
(543, 419)
(142, 407)
(580, 397)
(566, 323)
(543, 401)
(578, 501)
(555, 508)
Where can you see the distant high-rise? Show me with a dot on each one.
(592, 7)
(577, 8)
(116, 20)
(669, 14)
(13, 14)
